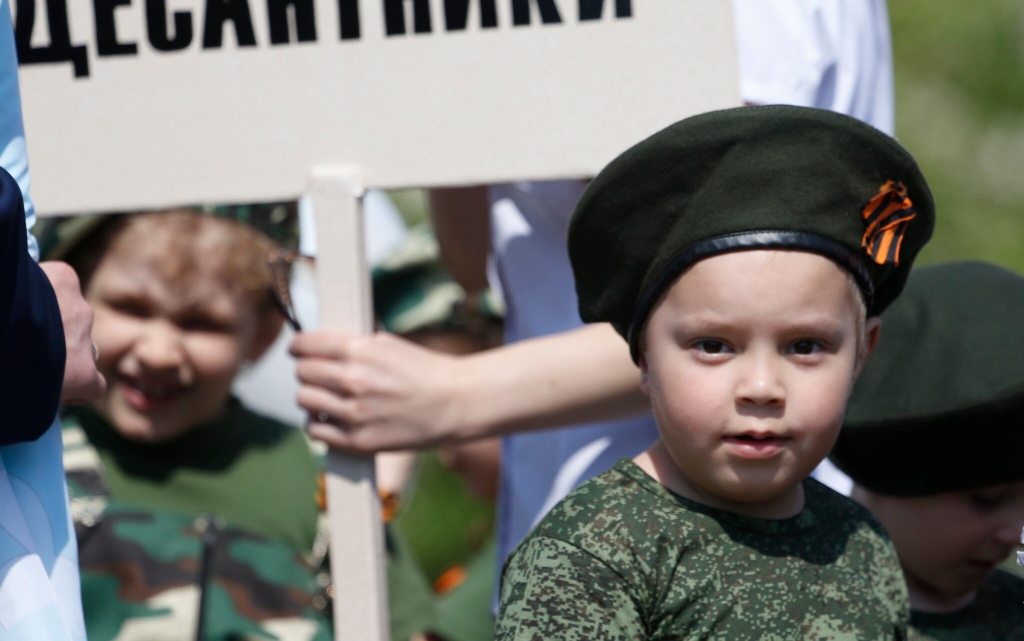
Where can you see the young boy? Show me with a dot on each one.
(194, 515)
(745, 255)
(933, 442)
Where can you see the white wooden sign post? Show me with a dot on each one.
(142, 104)
(357, 542)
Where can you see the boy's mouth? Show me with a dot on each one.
(146, 396)
(756, 444)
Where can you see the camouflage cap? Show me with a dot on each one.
(773, 177)
(938, 406)
(412, 291)
(59, 236)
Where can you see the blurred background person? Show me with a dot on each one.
(932, 439)
(440, 508)
(196, 517)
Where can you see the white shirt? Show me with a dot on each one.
(830, 54)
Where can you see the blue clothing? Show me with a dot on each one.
(13, 153)
(40, 590)
(32, 350)
(40, 595)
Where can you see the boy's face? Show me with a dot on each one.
(748, 360)
(169, 356)
(949, 543)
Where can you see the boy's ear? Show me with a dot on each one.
(267, 328)
(872, 330)
(645, 385)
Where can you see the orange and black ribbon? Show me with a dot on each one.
(450, 579)
(886, 218)
(388, 504)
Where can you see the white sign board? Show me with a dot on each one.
(149, 103)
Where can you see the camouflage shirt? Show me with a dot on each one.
(996, 614)
(163, 528)
(623, 558)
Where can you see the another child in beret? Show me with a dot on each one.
(744, 255)
(933, 441)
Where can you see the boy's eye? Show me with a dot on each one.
(711, 346)
(986, 501)
(203, 324)
(805, 347)
(130, 308)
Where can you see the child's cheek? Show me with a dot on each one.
(113, 335)
(825, 402)
(216, 356)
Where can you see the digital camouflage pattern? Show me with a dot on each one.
(145, 569)
(997, 614)
(622, 558)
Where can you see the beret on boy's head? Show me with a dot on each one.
(773, 177)
(939, 406)
(32, 350)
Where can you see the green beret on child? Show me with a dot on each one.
(772, 177)
(939, 406)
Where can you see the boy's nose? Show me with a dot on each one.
(159, 346)
(761, 383)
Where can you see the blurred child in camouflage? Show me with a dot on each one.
(744, 255)
(195, 516)
(447, 596)
(933, 441)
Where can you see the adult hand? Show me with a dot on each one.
(371, 393)
(82, 381)
(366, 394)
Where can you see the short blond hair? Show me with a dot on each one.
(860, 311)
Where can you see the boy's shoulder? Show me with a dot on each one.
(625, 540)
(626, 504)
(620, 505)
(836, 510)
(626, 520)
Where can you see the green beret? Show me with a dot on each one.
(773, 177)
(939, 405)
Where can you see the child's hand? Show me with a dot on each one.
(82, 381)
(365, 394)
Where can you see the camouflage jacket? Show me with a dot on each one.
(153, 569)
(996, 614)
(623, 558)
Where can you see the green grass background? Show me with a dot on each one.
(960, 111)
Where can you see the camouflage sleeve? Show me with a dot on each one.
(554, 590)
